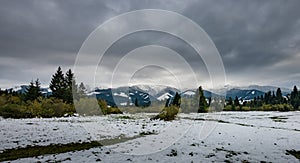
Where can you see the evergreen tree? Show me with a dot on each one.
(176, 100)
(33, 91)
(236, 101)
(58, 84)
(229, 101)
(167, 102)
(136, 102)
(244, 103)
(70, 86)
(273, 98)
(295, 98)
(294, 93)
(202, 108)
(255, 101)
(279, 96)
(268, 97)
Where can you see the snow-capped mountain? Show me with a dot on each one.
(140, 94)
(23, 88)
(256, 87)
(157, 90)
(235, 90)
(243, 94)
(284, 91)
(143, 95)
(19, 89)
(164, 92)
(189, 93)
(124, 96)
(165, 96)
(153, 90)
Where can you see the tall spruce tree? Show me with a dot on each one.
(268, 97)
(203, 106)
(229, 101)
(295, 98)
(294, 93)
(136, 103)
(255, 101)
(70, 86)
(273, 98)
(58, 84)
(236, 101)
(176, 100)
(33, 91)
(279, 98)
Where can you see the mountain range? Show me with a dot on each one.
(143, 95)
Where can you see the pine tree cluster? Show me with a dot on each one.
(268, 101)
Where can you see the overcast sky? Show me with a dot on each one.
(258, 40)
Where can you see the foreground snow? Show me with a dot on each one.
(233, 136)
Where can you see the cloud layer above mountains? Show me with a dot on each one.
(259, 41)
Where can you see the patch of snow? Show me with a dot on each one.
(17, 88)
(164, 96)
(189, 93)
(123, 103)
(152, 89)
(251, 136)
(93, 93)
(122, 94)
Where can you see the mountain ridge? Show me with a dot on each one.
(143, 95)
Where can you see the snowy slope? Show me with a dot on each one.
(243, 94)
(153, 90)
(164, 96)
(223, 137)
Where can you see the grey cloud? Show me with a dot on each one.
(257, 32)
(251, 36)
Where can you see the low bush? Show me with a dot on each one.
(245, 108)
(283, 107)
(13, 107)
(228, 108)
(14, 111)
(49, 107)
(167, 114)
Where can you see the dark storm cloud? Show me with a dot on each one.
(255, 38)
(255, 34)
(37, 27)
(45, 34)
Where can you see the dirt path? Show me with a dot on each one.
(34, 151)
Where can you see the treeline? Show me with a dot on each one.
(270, 101)
(64, 93)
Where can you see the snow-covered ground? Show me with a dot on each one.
(232, 136)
